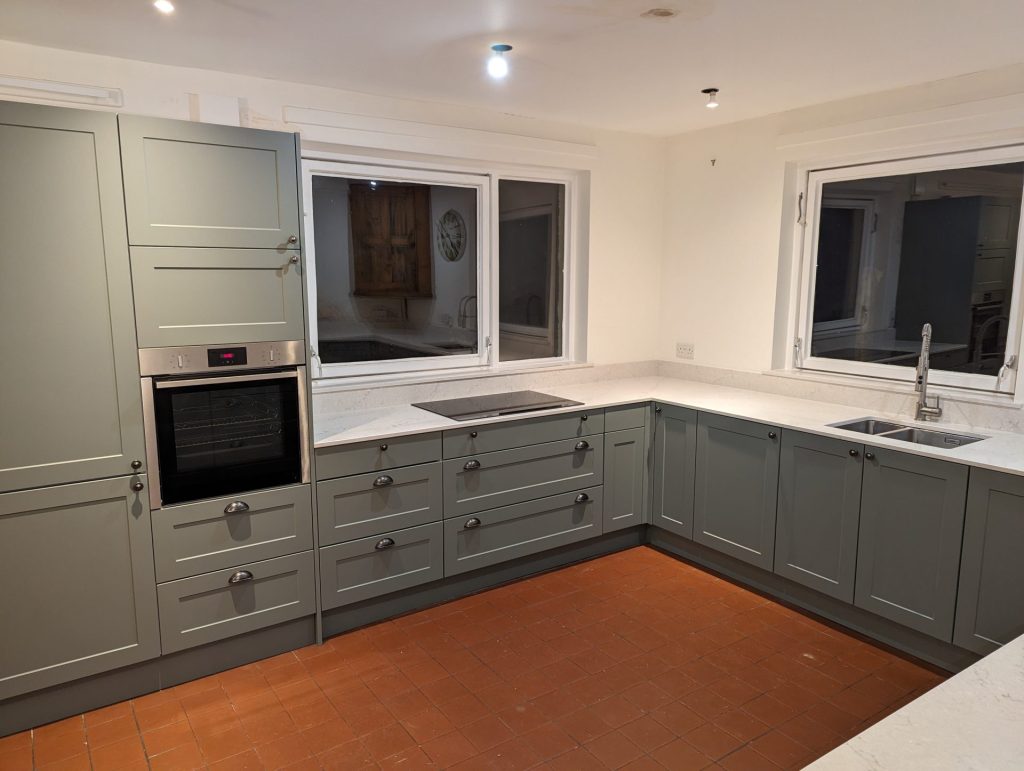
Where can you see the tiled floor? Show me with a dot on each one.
(634, 660)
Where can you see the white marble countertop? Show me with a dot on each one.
(972, 722)
(1001, 451)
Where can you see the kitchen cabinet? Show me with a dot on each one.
(76, 564)
(203, 185)
(990, 599)
(911, 528)
(625, 466)
(216, 296)
(675, 466)
(71, 408)
(736, 488)
(819, 512)
(472, 440)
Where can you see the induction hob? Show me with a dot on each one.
(495, 405)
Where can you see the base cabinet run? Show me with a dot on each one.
(990, 600)
(911, 528)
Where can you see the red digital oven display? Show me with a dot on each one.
(225, 357)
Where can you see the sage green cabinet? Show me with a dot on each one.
(198, 184)
(222, 296)
(71, 407)
(625, 478)
(675, 467)
(79, 594)
(990, 599)
(736, 489)
(911, 528)
(819, 512)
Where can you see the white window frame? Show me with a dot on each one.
(815, 178)
(853, 323)
(485, 179)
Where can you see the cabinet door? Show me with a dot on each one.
(197, 184)
(216, 296)
(990, 601)
(71, 407)
(675, 457)
(624, 478)
(911, 528)
(819, 510)
(737, 486)
(76, 564)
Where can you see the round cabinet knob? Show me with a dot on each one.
(582, 498)
(136, 464)
(854, 453)
(772, 435)
(384, 543)
(471, 465)
(293, 239)
(383, 481)
(471, 523)
(584, 416)
(240, 577)
(383, 448)
(294, 259)
(869, 455)
(474, 434)
(657, 410)
(582, 445)
(137, 486)
(236, 507)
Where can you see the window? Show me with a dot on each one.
(413, 270)
(891, 247)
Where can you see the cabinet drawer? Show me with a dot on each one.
(367, 504)
(628, 416)
(525, 473)
(199, 537)
(202, 609)
(472, 440)
(503, 534)
(358, 570)
(364, 457)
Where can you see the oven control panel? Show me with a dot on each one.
(192, 359)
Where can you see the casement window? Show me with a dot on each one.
(889, 247)
(413, 270)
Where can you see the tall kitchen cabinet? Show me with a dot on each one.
(214, 228)
(76, 558)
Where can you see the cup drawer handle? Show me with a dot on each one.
(583, 444)
(471, 523)
(240, 577)
(383, 481)
(582, 498)
(236, 507)
(471, 465)
(384, 543)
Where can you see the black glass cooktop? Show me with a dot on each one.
(494, 405)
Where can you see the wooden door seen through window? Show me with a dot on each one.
(391, 247)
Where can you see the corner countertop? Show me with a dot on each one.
(1001, 451)
(973, 721)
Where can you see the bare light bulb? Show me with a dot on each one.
(164, 6)
(497, 64)
(712, 94)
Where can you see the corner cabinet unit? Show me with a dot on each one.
(71, 409)
(736, 488)
(76, 564)
(990, 600)
(675, 468)
(819, 512)
(911, 528)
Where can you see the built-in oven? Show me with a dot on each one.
(222, 420)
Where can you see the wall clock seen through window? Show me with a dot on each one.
(451, 235)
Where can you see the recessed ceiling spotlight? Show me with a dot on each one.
(660, 13)
(164, 6)
(712, 97)
(497, 65)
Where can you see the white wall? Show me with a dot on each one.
(626, 171)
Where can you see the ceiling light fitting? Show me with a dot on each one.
(659, 13)
(712, 94)
(497, 64)
(164, 6)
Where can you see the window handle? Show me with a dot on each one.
(1010, 363)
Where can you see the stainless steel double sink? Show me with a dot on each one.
(878, 427)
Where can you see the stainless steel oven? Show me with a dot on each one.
(222, 420)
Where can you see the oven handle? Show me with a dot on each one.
(292, 373)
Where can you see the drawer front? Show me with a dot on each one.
(503, 534)
(364, 457)
(359, 570)
(621, 418)
(473, 440)
(210, 535)
(367, 504)
(526, 473)
(202, 609)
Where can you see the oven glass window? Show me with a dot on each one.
(218, 439)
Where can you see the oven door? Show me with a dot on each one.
(220, 435)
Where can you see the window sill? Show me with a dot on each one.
(326, 385)
(960, 395)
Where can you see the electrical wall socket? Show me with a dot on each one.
(684, 350)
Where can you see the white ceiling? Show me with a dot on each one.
(589, 62)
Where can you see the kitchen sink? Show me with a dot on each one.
(902, 433)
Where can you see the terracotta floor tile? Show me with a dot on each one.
(747, 759)
(523, 718)
(184, 757)
(167, 737)
(224, 744)
(464, 709)
(119, 755)
(616, 711)
(162, 714)
(111, 731)
(15, 741)
(548, 741)
(583, 725)
(449, 749)
(65, 745)
(445, 689)
(246, 761)
(71, 725)
(20, 758)
(106, 714)
(614, 750)
(681, 756)
(76, 763)
(713, 741)
(578, 759)
(283, 752)
(781, 749)
(648, 733)
(770, 710)
(427, 724)
(386, 741)
(741, 724)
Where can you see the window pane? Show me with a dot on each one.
(396, 269)
(899, 251)
(531, 260)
